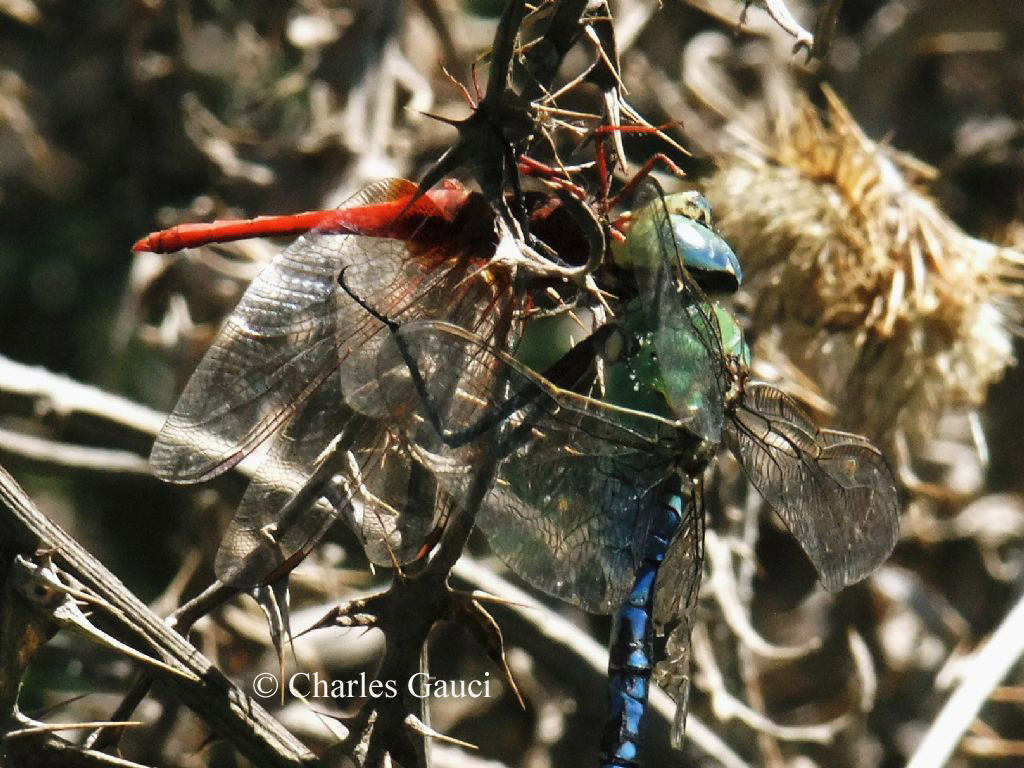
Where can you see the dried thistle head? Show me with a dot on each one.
(859, 279)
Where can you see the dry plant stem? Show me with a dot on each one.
(45, 395)
(979, 678)
(723, 585)
(770, 749)
(781, 15)
(503, 49)
(54, 727)
(825, 28)
(728, 707)
(50, 396)
(180, 621)
(993, 747)
(433, 13)
(762, 19)
(63, 602)
(44, 750)
(226, 709)
(78, 457)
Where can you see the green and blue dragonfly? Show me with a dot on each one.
(597, 499)
(384, 342)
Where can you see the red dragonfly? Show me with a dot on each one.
(296, 365)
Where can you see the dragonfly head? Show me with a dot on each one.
(705, 255)
(689, 235)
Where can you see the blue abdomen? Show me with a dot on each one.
(631, 655)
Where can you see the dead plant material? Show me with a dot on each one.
(862, 280)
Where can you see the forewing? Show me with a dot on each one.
(273, 352)
(460, 288)
(279, 344)
(688, 339)
(572, 503)
(833, 490)
(294, 326)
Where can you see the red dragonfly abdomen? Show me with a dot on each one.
(392, 217)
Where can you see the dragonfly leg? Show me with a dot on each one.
(656, 159)
(605, 170)
(528, 166)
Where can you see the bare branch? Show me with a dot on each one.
(979, 677)
(226, 708)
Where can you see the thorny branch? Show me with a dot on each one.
(231, 713)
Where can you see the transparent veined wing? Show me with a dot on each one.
(572, 504)
(687, 334)
(293, 327)
(834, 490)
(386, 497)
(296, 359)
(679, 579)
(675, 602)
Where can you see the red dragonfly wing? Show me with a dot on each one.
(387, 497)
(298, 347)
(291, 329)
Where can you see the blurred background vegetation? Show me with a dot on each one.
(120, 117)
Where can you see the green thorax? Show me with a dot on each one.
(635, 380)
(678, 369)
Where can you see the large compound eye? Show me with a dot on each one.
(706, 256)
